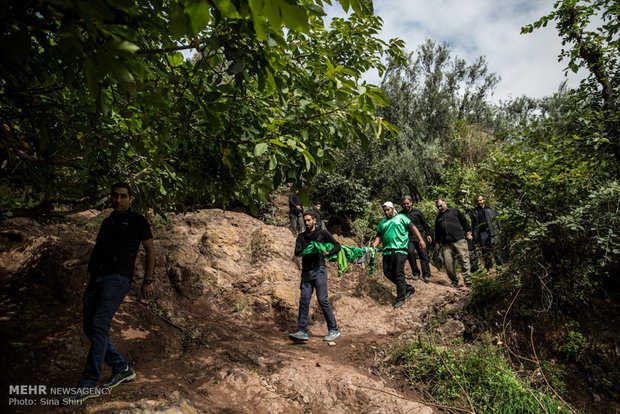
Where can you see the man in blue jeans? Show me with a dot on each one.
(110, 267)
(314, 276)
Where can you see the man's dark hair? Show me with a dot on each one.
(122, 184)
(407, 197)
(309, 213)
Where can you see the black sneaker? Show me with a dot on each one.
(416, 277)
(426, 279)
(410, 291)
(454, 284)
(117, 379)
(399, 304)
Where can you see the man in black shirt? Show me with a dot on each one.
(317, 214)
(314, 276)
(110, 267)
(486, 232)
(451, 231)
(417, 218)
(294, 213)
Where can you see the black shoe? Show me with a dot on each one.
(410, 291)
(454, 284)
(426, 279)
(117, 379)
(416, 277)
(399, 304)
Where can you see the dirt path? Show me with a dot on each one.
(218, 343)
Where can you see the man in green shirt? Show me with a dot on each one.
(393, 233)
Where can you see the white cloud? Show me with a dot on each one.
(527, 64)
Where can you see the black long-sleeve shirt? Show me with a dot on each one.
(312, 261)
(417, 218)
(293, 202)
(450, 226)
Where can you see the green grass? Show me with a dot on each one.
(474, 378)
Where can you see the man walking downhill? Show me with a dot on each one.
(317, 214)
(486, 232)
(417, 218)
(314, 276)
(393, 233)
(451, 231)
(110, 267)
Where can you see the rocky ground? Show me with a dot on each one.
(214, 337)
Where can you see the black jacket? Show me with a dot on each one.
(417, 218)
(312, 261)
(293, 202)
(488, 219)
(450, 226)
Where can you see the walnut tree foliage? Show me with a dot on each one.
(96, 91)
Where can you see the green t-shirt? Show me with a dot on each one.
(394, 234)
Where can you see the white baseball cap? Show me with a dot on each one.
(388, 204)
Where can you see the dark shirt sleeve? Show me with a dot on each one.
(143, 229)
(299, 245)
(438, 235)
(330, 239)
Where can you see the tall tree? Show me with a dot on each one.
(440, 105)
(96, 91)
(590, 32)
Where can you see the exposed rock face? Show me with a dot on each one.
(215, 333)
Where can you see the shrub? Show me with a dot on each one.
(477, 377)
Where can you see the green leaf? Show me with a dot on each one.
(199, 14)
(256, 7)
(175, 58)
(363, 7)
(179, 22)
(126, 46)
(307, 160)
(261, 28)
(573, 66)
(272, 12)
(273, 162)
(126, 80)
(260, 148)
(295, 17)
(227, 8)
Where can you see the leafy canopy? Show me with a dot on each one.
(96, 91)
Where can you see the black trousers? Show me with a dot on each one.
(413, 247)
(394, 270)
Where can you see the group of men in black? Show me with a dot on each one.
(403, 240)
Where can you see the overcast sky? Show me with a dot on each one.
(527, 64)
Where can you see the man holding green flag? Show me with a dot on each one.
(314, 276)
(393, 233)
